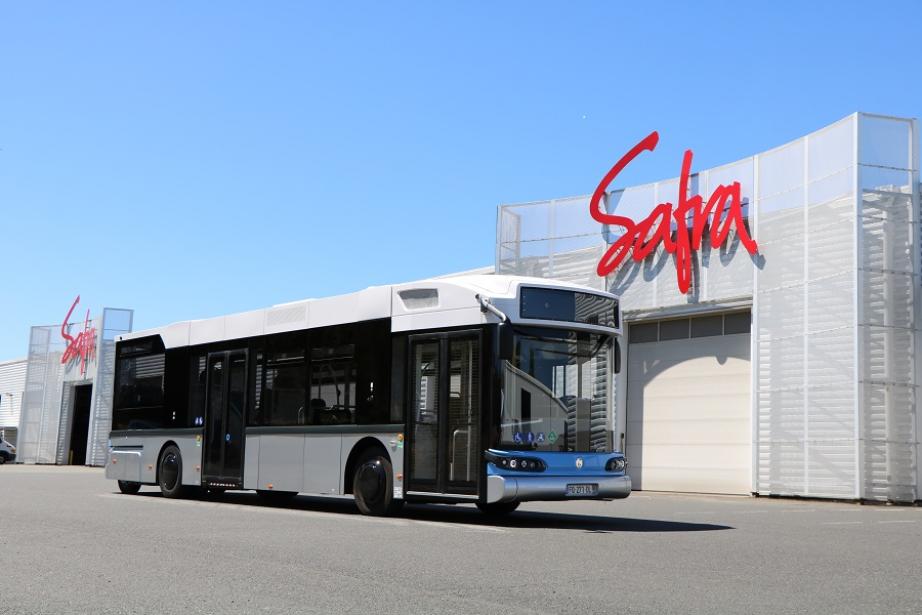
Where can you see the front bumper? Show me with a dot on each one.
(524, 488)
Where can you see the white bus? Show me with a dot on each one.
(489, 390)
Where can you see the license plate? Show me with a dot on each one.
(582, 490)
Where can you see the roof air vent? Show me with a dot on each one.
(419, 298)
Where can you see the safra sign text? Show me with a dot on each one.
(81, 347)
(722, 212)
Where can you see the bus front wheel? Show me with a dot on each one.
(169, 474)
(373, 486)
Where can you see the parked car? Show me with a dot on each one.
(7, 451)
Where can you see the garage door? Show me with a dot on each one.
(688, 404)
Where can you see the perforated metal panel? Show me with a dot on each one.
(41, 404)
(888, 232)
(804, 307)
(114, 322)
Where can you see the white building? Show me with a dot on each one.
(66, 410)
(12, 385)
(791, 371)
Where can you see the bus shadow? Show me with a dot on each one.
(527, 519)
(468, 515)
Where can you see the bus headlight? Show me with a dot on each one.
(615, 464)
(521, 464)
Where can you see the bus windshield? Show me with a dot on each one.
(556, 392)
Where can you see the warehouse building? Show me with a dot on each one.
(780, 356)
(12, 385)
(66, 410)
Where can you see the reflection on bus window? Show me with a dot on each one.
(556, 392)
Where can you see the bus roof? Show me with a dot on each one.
(425, 304)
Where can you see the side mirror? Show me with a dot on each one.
(617, 352)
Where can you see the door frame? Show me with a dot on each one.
(443, 338)
(230, 482)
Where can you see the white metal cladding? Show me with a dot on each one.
(805, 356)
(888, 309)
(114, 322)
(12, 385)
(41, 404)
(834, 294)
(46, 408)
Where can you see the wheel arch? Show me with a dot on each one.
(358, 451)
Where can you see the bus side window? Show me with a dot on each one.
(139, 379)
(332, 390)
(349, 377)
(282, 397)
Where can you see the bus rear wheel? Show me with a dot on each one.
(128, 488)
(373, 486)
(498, 508)
(169, 474)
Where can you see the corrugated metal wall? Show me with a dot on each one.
(114, 322)
(41, 404)
(12, 386)
(804, 316)
(888, 232)
(834, 293)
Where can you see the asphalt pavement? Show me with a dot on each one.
(70, 543)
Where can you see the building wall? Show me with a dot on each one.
(889, 307)
(833, 292)
(46, 409)
(12, 385)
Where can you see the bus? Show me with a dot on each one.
(483, 389)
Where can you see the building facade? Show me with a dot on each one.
(12, 385)
(66, 410)
(789, 368)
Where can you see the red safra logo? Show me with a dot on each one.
(640, 242)
(82, 347)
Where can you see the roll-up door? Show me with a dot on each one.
(688, 404)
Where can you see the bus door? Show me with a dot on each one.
(223, 455)
(444, 417)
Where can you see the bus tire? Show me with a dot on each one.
(169, 473)
(128, 488)
(497, 509)
(373, 486)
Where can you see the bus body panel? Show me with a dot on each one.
(543, 488)
(391, 441)
(280, 465)
(311, 463)
(561, 469)
(142, 450)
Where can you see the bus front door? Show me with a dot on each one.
(223, 455)
(444, 418)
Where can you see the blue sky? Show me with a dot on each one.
(195, 159)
